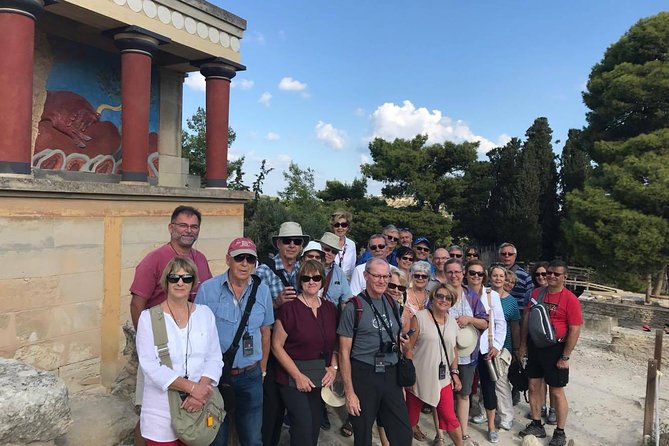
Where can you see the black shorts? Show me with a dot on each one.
(542, 363)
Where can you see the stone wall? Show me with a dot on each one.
(628, 314)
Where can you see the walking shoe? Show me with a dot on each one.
(506, 425)
(493, 437)
(552, 416)
(534, 428)
(559, 438)
(480, 419)
(544, 413)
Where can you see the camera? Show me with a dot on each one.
(389, 347)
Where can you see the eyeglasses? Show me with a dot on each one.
(340, 225)
(175, 278)
(444, 297)
(510, 282)
(316, 278)
(540, 274)
(312, 256)
(394, 286)
(457, 256)
(294, 241)
(472, 273)
(507, 254)
(553, 273)
(420, 276)
(326, 249)
(383, 277)
(250, 258)
(184, 226)
(472, 254)
(439, 259)
(392, 239)
(453, 273)
(407, 259)
(376, 247)
(422, 248)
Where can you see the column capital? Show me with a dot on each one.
(29, 8)
(218, 68)
(134, 39)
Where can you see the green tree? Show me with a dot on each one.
(619, 221)
(299, 184)
(472, 219)
(503, 203)
(432, 174)
(336, 190)
(194, 147)
(575, 166)
(526, 232)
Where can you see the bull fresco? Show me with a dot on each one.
(80, 126)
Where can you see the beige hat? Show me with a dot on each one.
(467, 339)
(334, 395)
(292, 230)
(330, 240)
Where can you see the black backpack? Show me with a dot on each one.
(539, 325)
(518, 377)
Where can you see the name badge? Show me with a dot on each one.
(442, 371)
(380, 363)
(247, 345)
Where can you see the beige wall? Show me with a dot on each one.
(67, 265)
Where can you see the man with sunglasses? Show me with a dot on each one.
(422, 247)
(378, 247)
(551, 364)
(227, 295)
(392, 236)
(455, 252)
(507, 256)
(184, 229)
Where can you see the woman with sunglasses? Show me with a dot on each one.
(472, 253)
(436, 360)
(195, 352)
(304, 342)
(417, 294)
(340, 221)
(405, 258)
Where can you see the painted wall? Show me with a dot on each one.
(79, 127)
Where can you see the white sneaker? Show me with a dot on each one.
(480, 419)
(506, 425)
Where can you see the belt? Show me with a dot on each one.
(235, 372)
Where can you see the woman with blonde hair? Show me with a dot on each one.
(417, 294)
(340, 221)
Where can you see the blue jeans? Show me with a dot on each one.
(248, 412)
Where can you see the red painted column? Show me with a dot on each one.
(17, 37)
(218, 76)
(136, 57)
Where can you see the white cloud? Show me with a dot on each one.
(360, 112)
(258, 37)
(271, 136)
(290, 84)
(195, 81)
(332, 137)
(242, 84)
(390, 121)
(265, 98)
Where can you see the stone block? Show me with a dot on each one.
(7, 330)
(81, 287)
(599, 324)
(50, 262)
(132, 254)
(170, 164)
(55, 352)
(33, 404)
(171, 179)
(218, 267)
(80, 375)
(78, 232)
(145, 230)
(27, 293)
(34, 234)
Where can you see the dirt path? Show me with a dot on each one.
(605, 393)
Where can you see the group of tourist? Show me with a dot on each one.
(316, 314)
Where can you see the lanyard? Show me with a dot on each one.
(441, 337)
(379, 319)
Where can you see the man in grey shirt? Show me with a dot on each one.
(369, 365)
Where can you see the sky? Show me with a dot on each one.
(324, 78)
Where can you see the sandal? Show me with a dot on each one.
(346, 429)
(418, 434)
(439, 440)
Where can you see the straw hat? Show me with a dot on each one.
(330, 240)
(292, 230)
(467, 340)
(334, 395)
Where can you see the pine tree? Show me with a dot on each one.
(504, 164)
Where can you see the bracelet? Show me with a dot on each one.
(192, 388)
(564, 358)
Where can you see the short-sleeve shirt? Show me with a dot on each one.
(309, 337)
(216, 294)
(338, 291)
(523, 283)
(511, 313)
(146, 283)
(273, 281)
(564, 310)
(366, 343)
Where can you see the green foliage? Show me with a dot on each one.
(299, 184)
(194, 147)
(575, 164)
(262, 218)
(260, 179)
(472, 217)
(336, 190)
(503, 203)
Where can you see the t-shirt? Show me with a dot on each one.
(149, 270)
(309, 337)
(564, 309)
(366, 343)
(511, 313)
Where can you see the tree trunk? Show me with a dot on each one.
(659, 282)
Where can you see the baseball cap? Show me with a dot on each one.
(242, 245)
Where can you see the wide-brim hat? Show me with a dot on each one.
(313, 246)
(290, 229)
(330, 240)
(334, 395)
(466, 340)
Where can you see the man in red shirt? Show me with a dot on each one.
(552, 363)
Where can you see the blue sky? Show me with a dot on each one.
(324, 78)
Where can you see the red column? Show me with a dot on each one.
(17, 37)
(218, 76)
(136, 50)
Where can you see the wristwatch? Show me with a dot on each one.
(455, 372)
(564, 358)
(336, 367)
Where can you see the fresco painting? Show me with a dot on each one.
(80, 127)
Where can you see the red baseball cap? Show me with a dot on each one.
(242, 245)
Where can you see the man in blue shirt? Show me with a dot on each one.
(338, 290)
(227, 295)
(507, 256)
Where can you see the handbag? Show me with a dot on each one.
(314, 369)
(193, 428)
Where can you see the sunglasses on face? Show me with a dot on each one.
(472, 273)
(444, 297)
(376, 247)
(250, 258)
(472, 254)
(316, 278)
(175, 278)
(507, 254)
(553, 273)
(407, 259)
(340, 225)
(420, 276)
(422, 248)
(540, 274)
(294, 241)
(312, 256)
(392, 239)
(400, 288)
(456, 255)
(330, 250)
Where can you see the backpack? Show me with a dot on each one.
(539, 326)
(518, 378)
